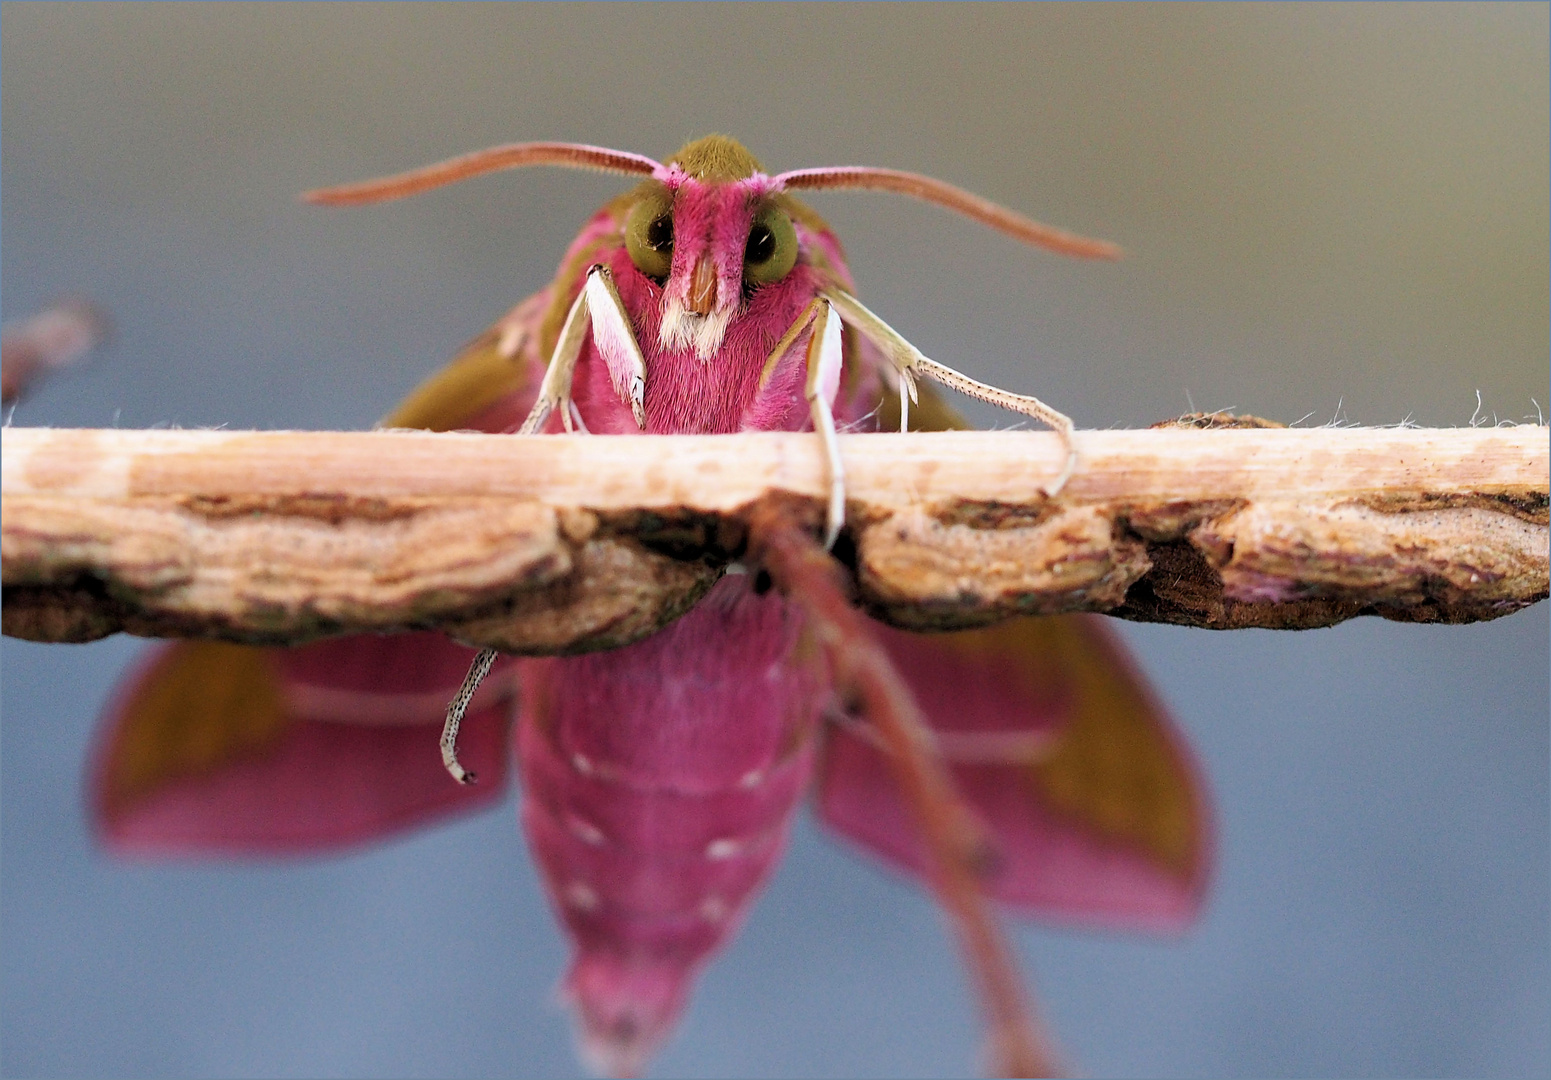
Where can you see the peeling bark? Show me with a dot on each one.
(562, 544)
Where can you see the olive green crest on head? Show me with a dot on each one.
(716, 158)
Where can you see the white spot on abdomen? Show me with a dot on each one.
(724, 848)
(751, 779)
(581, 896)
(585, 831)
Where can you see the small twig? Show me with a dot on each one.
(863, 672)
(544, 544)
(43, 343)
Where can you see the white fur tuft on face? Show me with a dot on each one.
(682, 329)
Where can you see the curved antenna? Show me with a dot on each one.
(862, 177)
(510, 156)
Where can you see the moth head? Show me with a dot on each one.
(710, 246)
(754, 236)
(710, 225)
(709, 228)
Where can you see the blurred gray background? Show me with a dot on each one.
(1330, 213)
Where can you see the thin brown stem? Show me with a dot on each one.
(41, 344)
(957, 852)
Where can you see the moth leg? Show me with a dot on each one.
(909, 362)
(957, 852)
(455, 710)
(907, 394)
(555, 390)
(597, 307)
(825, 354)
(793, 332)
(615, 338)
(1058, 422)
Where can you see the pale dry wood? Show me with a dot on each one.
(547, 544)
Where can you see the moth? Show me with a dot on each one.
(659, 780)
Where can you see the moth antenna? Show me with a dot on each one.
(455, 710)
(865, 178)
(496, 158)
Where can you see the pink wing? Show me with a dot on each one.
(1097, 812)
(211, 747)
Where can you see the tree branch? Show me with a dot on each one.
(549, 544)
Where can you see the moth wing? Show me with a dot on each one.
(492, 382)
(213, 747)
(1090, 794)
(1096, 810)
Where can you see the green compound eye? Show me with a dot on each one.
(772, 248)
(649, 235)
